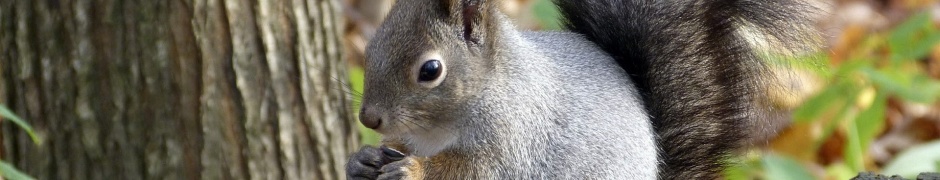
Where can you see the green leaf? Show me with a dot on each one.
(837, 120)
(863, 130)
(906, 35)
(913, 39)
(909, 86)
(8, 114)
(357, 83)
(547, 14)
(745, 166)
(816, 106)
(922, 47)
(737, 172)
(921, 158)
(356, 77)
(853, 149)
(840, 171)
(870, 122)
(906, 30)
(783, 168)
(9, 172)
(937, 166)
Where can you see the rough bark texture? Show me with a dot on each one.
(175, 89)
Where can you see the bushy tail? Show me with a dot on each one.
(697, 65)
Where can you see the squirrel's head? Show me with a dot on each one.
(425, 61)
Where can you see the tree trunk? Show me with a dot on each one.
(176, 89)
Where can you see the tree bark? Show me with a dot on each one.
(176, 89)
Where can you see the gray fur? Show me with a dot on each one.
(562, 109)
(538, 105)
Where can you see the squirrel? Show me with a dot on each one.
(636, 89)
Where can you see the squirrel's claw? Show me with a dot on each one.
(364, 164)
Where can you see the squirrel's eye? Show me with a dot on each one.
(429, 71)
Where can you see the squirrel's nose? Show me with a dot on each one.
(370, 117)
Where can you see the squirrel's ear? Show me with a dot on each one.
(470, 15)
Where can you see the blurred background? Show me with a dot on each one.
(244, 89)
(865, 101)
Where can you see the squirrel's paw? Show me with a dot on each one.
(364, 164)
(407, 168)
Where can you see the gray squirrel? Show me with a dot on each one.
(638, 89)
